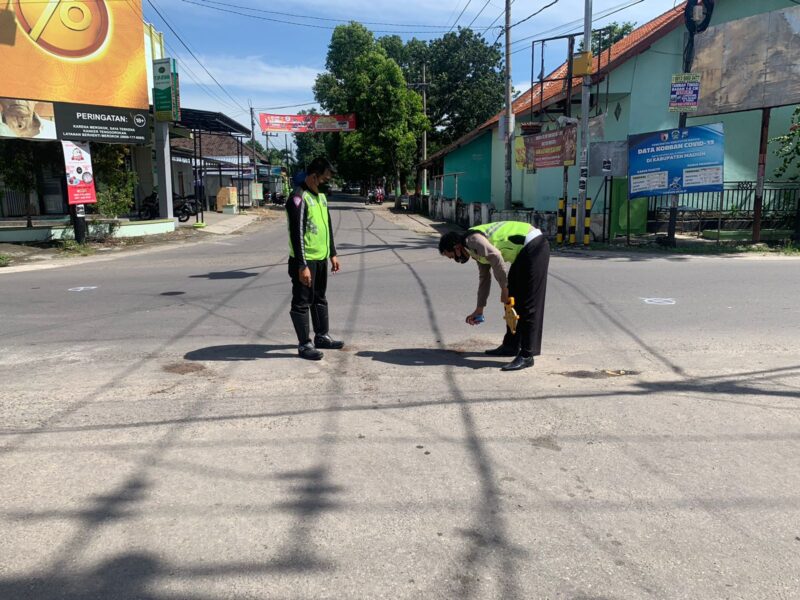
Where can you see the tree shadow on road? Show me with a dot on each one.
(234, 352)
(428, 357)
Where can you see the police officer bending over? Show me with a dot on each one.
(310, 247)
(492, 245)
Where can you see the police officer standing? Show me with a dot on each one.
(310, 247)
(523, 245)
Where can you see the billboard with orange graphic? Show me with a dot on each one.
(74, 51)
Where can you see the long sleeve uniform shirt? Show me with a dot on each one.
(481, 246)
(298, 221)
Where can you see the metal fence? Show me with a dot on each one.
(734, 208)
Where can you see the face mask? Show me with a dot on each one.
(464, 258)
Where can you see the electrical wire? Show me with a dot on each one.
(312, 25)
(529, 17)
(466, 6)
(193, 55)
(310, 18)
(569, 26)
(184, 64)
(479, 14)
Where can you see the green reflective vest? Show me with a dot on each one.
(317, 236)
(507, 236)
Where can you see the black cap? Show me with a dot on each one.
(319, 165)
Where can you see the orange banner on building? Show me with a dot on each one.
(87, 52)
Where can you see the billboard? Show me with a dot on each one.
(88, 52)
(306, 123)
(676, 161)
(750, 63)
(34, 120)
(552, 149)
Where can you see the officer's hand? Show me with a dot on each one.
(504, 295)
(471, 318)
(305, 276)
(335, 266)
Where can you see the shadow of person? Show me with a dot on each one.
(429, 357)
(235, 352)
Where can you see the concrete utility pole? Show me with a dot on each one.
(586, 90)
(424, 133)
(253, 142)
(509, 137)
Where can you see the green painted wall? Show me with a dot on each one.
(641, 89)
(474, 163)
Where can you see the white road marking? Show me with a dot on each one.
(659, 301)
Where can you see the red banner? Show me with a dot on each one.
(306, 123)
(80, 179)
(552, 149)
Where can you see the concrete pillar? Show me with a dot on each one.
(164, 170)
(484, 213)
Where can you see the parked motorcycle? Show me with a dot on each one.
(149, 208)
(185, 207)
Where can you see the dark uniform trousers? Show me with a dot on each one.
(527, 284)
(309, 299)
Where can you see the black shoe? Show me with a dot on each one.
(521, 362)
(308, 352)
(503, 351)
(325, 341)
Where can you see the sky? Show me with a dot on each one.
(242, 56)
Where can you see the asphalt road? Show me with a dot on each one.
(160, 440)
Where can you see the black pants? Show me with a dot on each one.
(309, 299)
(527, 283)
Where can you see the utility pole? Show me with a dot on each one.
(424, 133)
(509, 131)
(586, 90)
(286, 144)
(253, 140)
(424, 87)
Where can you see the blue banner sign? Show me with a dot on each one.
(676, 161)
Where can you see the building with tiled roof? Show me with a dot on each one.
(630, 95)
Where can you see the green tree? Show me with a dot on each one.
(258, 146)
(114, 181)
(789, 150)
(610, 35)
(466, 84)
(364, 80)
(309, 146)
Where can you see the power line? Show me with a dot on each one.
(184, 65)
(188, 49)
(567, 26)
(497, 18)
(530, 16)
(466, 6)
(479, 14)
(310, 18)
(285, 22)
(287, 106)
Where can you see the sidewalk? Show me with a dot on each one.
(221, 224)
(24, 257)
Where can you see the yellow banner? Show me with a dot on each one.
(75, 51)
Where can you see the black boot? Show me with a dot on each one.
(301, 327)
(319, 315)
(519, 363)
(502, 350)
(308, 352)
